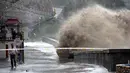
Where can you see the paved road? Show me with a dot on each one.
(45, 60)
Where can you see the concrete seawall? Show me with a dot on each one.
(107, 58)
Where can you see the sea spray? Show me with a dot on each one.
(96, 27)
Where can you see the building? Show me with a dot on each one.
(7, 37)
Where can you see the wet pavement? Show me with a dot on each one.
(45, 60)
(4, 63)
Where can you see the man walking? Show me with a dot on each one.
(13, 53)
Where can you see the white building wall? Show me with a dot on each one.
(26, 31)
(2, 52)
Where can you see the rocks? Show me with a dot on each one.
(123, 68)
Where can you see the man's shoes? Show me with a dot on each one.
(11, 68)
(14, 67)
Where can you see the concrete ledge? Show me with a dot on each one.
(101, 51)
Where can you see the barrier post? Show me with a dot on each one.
(7, 51)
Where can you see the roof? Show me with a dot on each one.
(12, 21)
